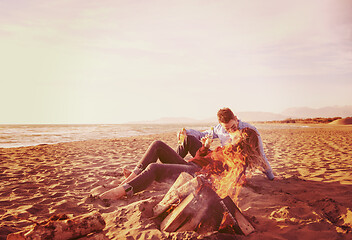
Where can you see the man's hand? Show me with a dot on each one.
(181, 135)
(206, 141)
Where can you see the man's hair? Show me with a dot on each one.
(225, 115)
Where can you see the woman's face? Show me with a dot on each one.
(235, 136)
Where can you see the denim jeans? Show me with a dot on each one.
(148, 170)
(190, 145)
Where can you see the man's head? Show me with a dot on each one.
(227, 119)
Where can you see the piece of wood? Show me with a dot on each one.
(210, 201)
(194, 220)
(239, 221)
(170, 196)
(179, 215)
(63, 229)
(184, 185)
(200, 208)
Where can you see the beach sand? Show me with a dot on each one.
(311, 201)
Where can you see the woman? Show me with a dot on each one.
(244, 144)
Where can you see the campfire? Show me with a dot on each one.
(208, 202)
(192, 205)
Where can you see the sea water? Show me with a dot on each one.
(18, 135)
(34, 134)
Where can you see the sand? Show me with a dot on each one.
(311, 201)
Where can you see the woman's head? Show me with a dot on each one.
(249, 146)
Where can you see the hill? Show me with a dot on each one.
(343, 121)
(308, 120)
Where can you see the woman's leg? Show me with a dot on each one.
(157, 150)
(114, 193)
(160, 172)
(154, 171)
(129, 178)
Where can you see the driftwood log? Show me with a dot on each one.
(200, 211)
(183, 186)
(62, 229)
(182, 213)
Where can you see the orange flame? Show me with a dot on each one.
(229, 181)
(227, 171)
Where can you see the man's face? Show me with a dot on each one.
(231, 126)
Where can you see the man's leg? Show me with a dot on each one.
(190, 145)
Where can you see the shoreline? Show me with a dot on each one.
(41, 134)
(33, 135)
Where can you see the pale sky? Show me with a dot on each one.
(80, 61)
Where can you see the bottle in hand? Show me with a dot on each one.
(182, 136)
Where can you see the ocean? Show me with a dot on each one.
(34, 134)
(18, 135)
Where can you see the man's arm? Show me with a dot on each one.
(199, 135)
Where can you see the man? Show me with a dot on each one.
(228, 122)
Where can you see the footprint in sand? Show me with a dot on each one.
(85, 184)
(5, 203)
(37, 209)
(20, 192)
(96, 201)
(69, 182)
(68, 206)
(298, 214)
(58, 195)
(334, 212)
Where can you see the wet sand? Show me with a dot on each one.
(311, 201)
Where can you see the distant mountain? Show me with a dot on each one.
(245, 116)
(306, 112)
(169, 120)
(175, 120)
(260, 116)
(298, 112)
(253, 116)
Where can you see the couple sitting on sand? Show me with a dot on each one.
(197, 144)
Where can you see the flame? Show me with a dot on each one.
(227, 224)
(229, 174)
(227, 171)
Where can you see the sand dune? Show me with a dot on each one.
(312, 201)
(343, 121)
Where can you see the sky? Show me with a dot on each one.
(113, 61)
